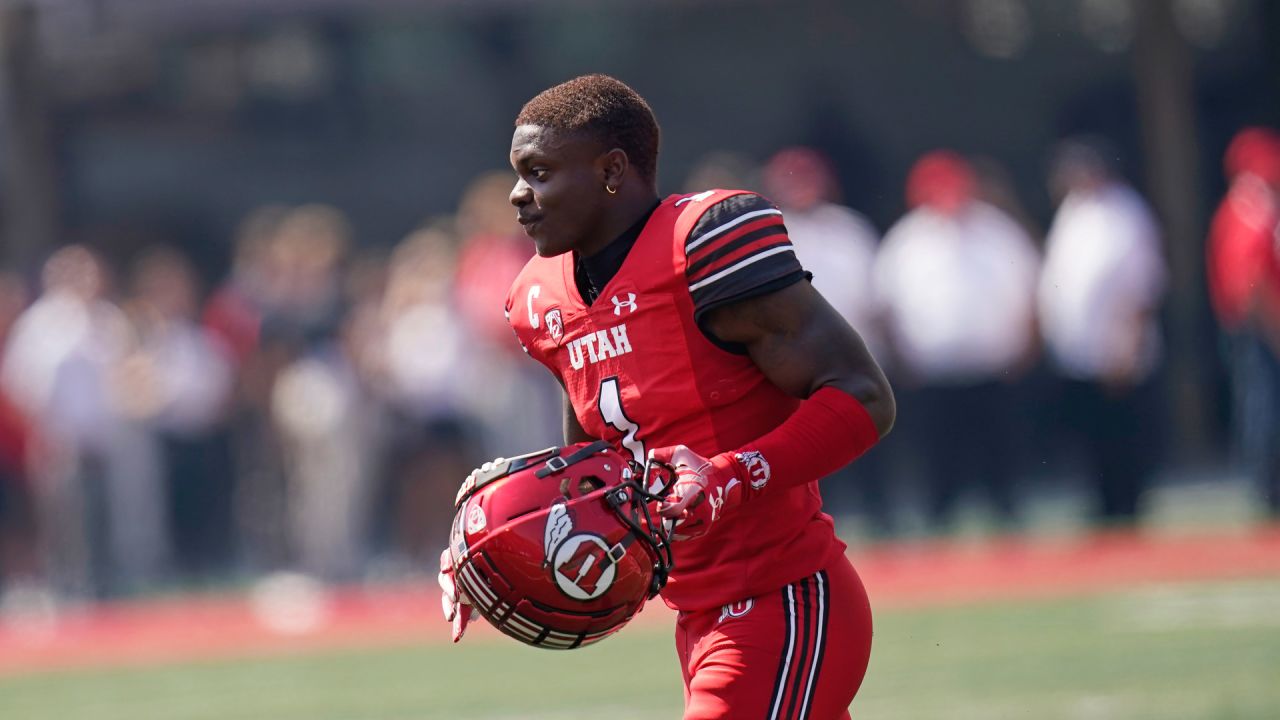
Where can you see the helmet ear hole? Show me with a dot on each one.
(580, 487)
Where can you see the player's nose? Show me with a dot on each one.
(521, 194)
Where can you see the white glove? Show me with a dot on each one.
(454, 604)
(703, 491)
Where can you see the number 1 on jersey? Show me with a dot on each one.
(615, 417)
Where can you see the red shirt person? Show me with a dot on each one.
(1243, 265)
(1242, 255)
(684, 329)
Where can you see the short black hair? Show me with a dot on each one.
(605, 108)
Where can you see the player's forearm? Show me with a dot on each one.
(829, 430)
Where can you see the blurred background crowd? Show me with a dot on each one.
(254, 263)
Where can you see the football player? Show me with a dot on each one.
(683, 329)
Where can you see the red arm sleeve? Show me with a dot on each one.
(829, 430)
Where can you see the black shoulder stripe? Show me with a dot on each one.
(778, 232)
(726, 211)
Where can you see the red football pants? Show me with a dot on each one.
(796, 653)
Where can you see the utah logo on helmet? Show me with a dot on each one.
(567, 553)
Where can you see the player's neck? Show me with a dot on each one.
(592, 273)
(631, 206)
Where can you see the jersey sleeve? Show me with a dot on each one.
(738, 249)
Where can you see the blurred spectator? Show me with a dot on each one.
(62, 367)
(302, 296)
(837, 245)
(17, 539)
(315, 398)
(955, 281)
(493, 252)
(177, 379)
(1243, 262)
(16, 542)
(418, 365)
(234, 311)
(235, 314)
(1099, 299)
(517, 406)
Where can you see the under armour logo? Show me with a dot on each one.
(718, 496)
(629, 303)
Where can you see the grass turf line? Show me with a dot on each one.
(1079, 659)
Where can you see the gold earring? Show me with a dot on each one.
(611, 190)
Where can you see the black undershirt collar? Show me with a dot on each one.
(591, 274)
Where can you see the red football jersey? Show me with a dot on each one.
(640, 373)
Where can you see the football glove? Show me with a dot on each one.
(703, 491)
(452, 601)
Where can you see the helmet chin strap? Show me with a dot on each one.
(557, 464)
(502, 467)
(631, 496)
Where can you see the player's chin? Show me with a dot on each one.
(545, 246)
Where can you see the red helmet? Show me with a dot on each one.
(557, 548)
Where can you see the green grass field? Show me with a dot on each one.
(1202, 651)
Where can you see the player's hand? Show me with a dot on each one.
(453, 601)
(454, 604)
(702, 493)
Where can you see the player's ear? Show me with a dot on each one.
(613, 166)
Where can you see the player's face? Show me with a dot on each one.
(559, 192)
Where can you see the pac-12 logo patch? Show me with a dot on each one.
(758, 471)
(555, 325)
(582, 567)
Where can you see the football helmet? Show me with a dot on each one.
(558, 548)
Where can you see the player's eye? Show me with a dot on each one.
(540, 174)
